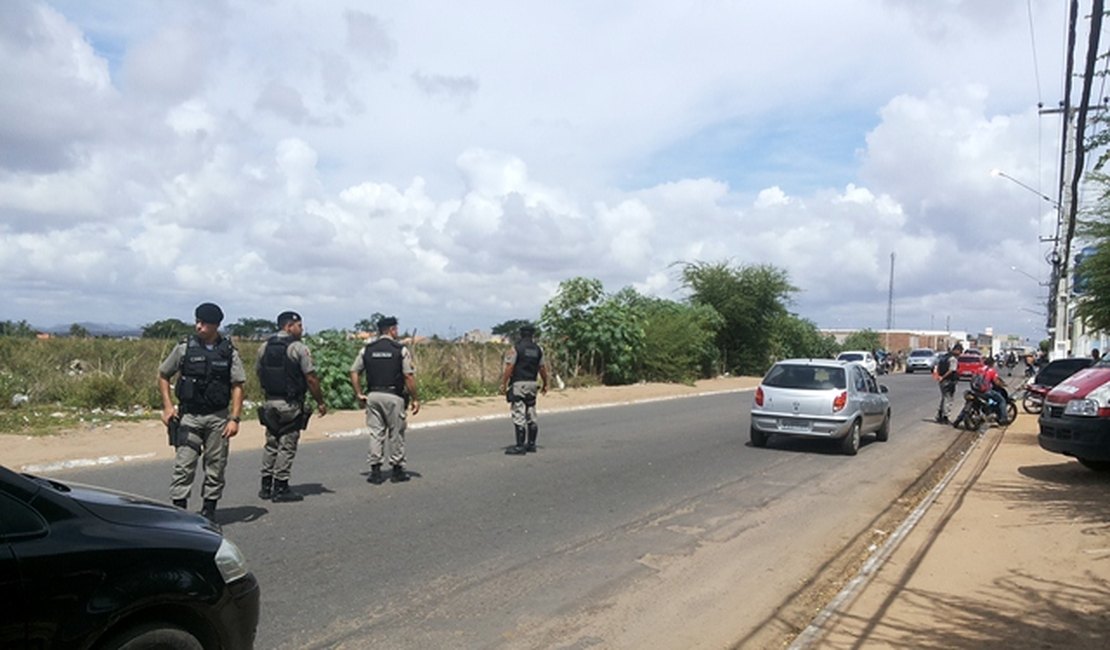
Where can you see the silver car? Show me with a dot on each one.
(820, 398)
(921, 359)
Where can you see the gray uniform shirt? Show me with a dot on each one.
(406, 358)
(172, 364)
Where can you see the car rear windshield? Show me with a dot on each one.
(921, 353)
(971, 358)
(850, 356)
(1059, 370)
(806, 377)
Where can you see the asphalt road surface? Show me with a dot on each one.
(654, 525)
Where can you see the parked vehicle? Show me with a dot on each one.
(979, 409)
(820, 398)
(921, 359)
(83, 567)
(1033, 394)
(862, 356)
(968, 365)
(1075, 420)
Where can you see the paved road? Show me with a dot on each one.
(650, 525)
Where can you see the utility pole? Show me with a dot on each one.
(1072, 154)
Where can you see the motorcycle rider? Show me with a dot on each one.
(991, 386)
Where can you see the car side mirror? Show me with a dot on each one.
(883, 389)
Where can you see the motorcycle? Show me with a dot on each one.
(1032, 397)
(979, 409)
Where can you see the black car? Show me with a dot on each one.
(82, 567)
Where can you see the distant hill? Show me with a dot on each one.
(98, 329)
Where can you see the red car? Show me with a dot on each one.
(1076, 417)
(968, 365)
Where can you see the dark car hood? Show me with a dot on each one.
(130, 509)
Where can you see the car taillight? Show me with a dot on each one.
(759, 396)
(840, 401)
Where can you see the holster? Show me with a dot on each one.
(179, 435)
(268, 418)
(171, 430)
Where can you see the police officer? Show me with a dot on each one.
(390, 387)
(286, 373)
(523, 363)
(209, 392)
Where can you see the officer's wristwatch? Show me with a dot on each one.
(236, 419)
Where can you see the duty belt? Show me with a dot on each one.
(383, 389)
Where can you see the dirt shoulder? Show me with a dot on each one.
(146, 440)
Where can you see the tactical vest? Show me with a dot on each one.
(384, 368)
(204, 385)
(528, 358)
(280, 376)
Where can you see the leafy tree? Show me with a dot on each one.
(1094, 269)
(252, 328)
(170, 328)
(679, 341)
(794, 337)
(78, 331)
(369, 324)
(862, 340)
(510, 327)
(588, 332)
(751, 300)
(22, 328)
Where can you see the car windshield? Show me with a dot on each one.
(850, 356)
(921, 353)
(806, 377)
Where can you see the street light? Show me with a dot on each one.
(1016, 269)
(1002, 174)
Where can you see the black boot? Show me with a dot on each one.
(283, 494)
(375, 476)
(209, 510)
(399, 474)
(533, 431)
(181, 503)
(267, 490)
(518, 448)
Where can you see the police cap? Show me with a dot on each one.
(386, 322)
(287, 317)
(527, 330)
(209, 312)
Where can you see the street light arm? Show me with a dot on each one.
(999, 172)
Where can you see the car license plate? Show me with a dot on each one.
(795, 425)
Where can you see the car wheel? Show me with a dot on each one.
(849, 444)
(154, 636)
(883, 434)
(759, 439)
(1095, 465)
(909, 371)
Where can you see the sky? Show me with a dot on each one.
(451, 163)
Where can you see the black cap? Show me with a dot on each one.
(210, 312)
(287, 317)
(386, 322)
(527, 330)
(958, 345)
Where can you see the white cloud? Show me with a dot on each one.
(350, 162)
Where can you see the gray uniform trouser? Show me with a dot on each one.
(947, 396)
(279, 451)
(385, 416)
(205, 441)
(523, 394)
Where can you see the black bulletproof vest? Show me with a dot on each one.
(528, 357)
(384, 370)
(205, 382)
(280, 376)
